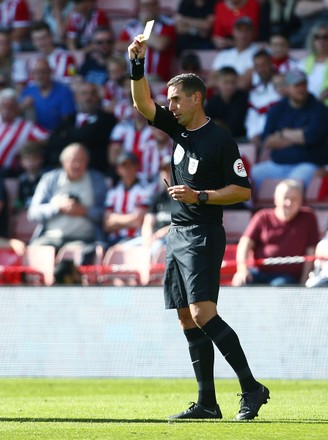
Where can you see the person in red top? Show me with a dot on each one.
(226, 13)
(286, 230)
(81, 23)
(16, 15)
(161, 44)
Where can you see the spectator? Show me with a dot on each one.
(279, 83)
(162, 41)
(261, 97)
(90, 126)
(7, 60)
(50, 101)
(228, 106)
(55, 14)
(126, 203)
(278, 16)
(240, 57)
(319, 276)
(227, 12)
(16, 245)
(295, 135)
(16, 16)
(14, 132)
(136, 136)
(309, 12)
(280, 56)
(31, 161)
(68, 203)
(158, 218)
(164, 143)
(94, 68)
(62, 62)
(193, 22)
(315, 64)
(82, 22)
(286, 230)
(116, 94)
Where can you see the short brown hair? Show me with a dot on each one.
(191, 83)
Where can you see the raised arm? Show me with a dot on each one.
(140, 90)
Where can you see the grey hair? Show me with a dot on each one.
(8, 93)
(75, 146)
(290, 184)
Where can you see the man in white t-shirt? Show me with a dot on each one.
(69, 201)
(240, 57)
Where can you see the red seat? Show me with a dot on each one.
(157, 268)
(228, 267)
(235, 222)
(123, 265)
(316, 193)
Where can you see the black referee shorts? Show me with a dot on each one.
(193, 261)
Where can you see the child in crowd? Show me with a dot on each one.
(31, 160)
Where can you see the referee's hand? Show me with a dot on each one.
(137, 48)
(182, 193)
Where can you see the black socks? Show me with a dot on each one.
(202, 357)
(227, 341)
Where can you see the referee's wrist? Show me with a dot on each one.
(137, 68)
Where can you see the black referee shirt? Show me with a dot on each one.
(204, 159)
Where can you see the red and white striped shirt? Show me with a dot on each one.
(125, 201)
(81, 28)
(61, 62)
(14, 135)
(15, 13)
(142, 143)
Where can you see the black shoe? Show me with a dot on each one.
(198, 411)
(250, 403)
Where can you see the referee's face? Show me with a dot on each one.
(182, 106)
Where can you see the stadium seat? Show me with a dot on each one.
(157, 268)
(21, 227)
(41, 258)
(264, 197)
(118, 8)
(123, 265)
(73, 251)
(235, 222)
(322, 218)
(8, 257)
(316, 194)
(248, 154)
(16, 270)
(228, 267)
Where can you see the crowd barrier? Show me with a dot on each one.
(125, 332)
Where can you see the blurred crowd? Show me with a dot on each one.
(89, 168)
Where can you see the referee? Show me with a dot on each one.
(206, 173)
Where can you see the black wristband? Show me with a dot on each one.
(137, 69)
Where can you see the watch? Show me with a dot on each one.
(202, 197)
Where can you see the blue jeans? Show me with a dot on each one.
(271, 170)
(276, 279)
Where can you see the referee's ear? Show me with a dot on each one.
(197, 98)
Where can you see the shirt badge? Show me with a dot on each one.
(179, 152)
(239, 168)
(193, 165)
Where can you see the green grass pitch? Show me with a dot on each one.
(115, 409)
